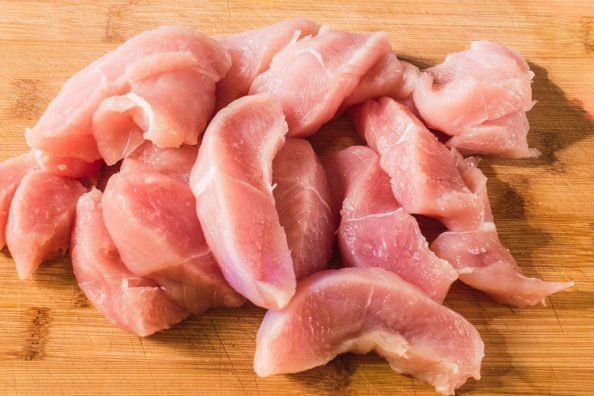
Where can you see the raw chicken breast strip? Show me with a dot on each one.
(67, 166)
(481, 259)
(232, 182)
(151, 60)
(375, 231)
(133, 303)
(12, 172)
(152, 220)
(479, 96)
(423, 172)
(251, 53)
(364, 309)
(313, 76)
(40, 219)
(304, 204)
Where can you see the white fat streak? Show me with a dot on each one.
(147, 111)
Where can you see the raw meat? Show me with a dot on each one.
(152, 220)
(304, 204)
(232, 183)
(170, 161)
(40, 219)
(365, 309)
(66, 130)
(481, 259)
(375, 231)
(12, 171)
(388, 77)
(67, 166)
(251, 53)
(133, 303)
(471, 91)
(313, 76)
(423, 172)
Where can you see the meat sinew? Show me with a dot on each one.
(304, 204)
(423, 172)
(152, 220)
(140, 70)
(232, 182)
(251, 53)
(12, 172)
(40, 219)
(483, 262)
(133, 303)
(375, 231)
(469, 95)
(313, 76)
(364, 309)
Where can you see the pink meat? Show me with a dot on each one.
(313, 76)
(152, 220)
(507, 134)
(133, 303)
(12, 171)
(423, 172)
(67, 166)
(388, 77)
(251, 53)
(364, 309)
(40, 219)
(481, 259)
(375, 231)
(66, 130)
(173, 162)
(304, 204)
(473, 89)
(232, 182)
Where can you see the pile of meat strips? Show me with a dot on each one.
(219, 198)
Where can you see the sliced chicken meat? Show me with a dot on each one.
(40, 219)
(152, 220)
(232, 182)
(314, 75)
(468, 94)
(134, 303)
(375, 231)
(67, 166)
(481, 259)
(139, 70)
(173, 162)
(12, 172)
(364, 309)
(251, 53)
(304, 204)
(423, 172)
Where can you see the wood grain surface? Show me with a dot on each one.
(53, 341)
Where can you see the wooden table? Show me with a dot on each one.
(52, 340)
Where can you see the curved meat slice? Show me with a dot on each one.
(481, 259)
(313, 76)
(152, 221)
(12, 172)
(388, 77)
(40, 219)
(169, 109)
(364, 309)
(251, 53)
(65, 129)
(133, 303)
(480, 85)
(67, 166)
(232, 182)
(175, 162)
(375, 231)
(507, 134)
(423, 172)
(304, 204)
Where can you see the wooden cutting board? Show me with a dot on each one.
(53, 341)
